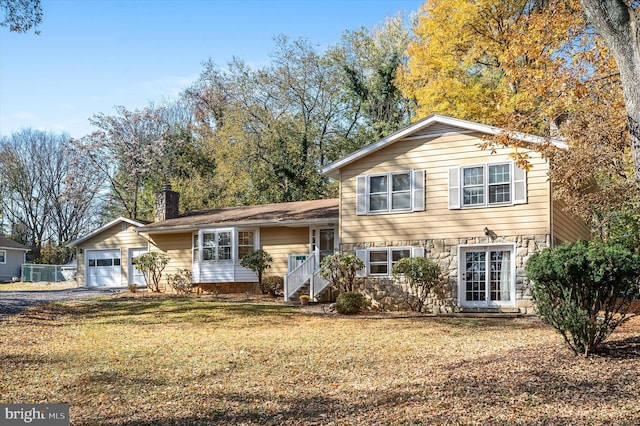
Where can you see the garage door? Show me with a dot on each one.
(103, 268)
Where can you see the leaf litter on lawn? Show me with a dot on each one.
(197, 360)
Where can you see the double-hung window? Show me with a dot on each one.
(245, 243)
(486, 185)
(216, 245)
(392, 192)
(380, 261)
(3, 256)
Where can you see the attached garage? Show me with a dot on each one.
(103, 268)
(104, 256)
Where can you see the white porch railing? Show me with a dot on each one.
(303, 268)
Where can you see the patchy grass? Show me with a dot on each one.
(175, 361)
(26, 286)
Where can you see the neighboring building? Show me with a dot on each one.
(104, 256)
(429, 190)
(12, 256)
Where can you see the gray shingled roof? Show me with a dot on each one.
(262, 215)
(10, 244)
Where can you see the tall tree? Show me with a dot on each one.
(537, 67)
(47, 193)
(126, 150)
(369, 61)
(618, 22)
(21, 15)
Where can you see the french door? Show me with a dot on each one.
(487, 276)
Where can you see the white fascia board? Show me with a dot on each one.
(284, 223)
(331, 169)
(14, 248)
(103, 228)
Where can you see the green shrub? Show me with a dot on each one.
(258, 261)
(341, 270)
(152, 264)
(584, 290)
(273, 285)
(423, 277)
(350, 303)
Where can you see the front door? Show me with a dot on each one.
(135, 276)
(487, 276)
(324, 240)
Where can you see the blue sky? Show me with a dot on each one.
(92, 55)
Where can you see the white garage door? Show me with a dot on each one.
(103, 268)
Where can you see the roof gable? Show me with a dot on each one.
(136, 223)
(430, 127)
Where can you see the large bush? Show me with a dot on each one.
(584, 290)
(423, 278)
(152, 264)
(341, 271)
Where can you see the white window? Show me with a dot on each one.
(486, 185)
(390, 192)
(379, 261)
(216, 246)
(223, 245)
(245, 243)
(3, 256)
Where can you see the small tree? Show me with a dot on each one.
(258, 261)
(584, 290)
(151, 265)
(423, 277)
(341, 270)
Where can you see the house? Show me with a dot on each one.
(104, 256)
(211, 243)
(12, 256)
(426, 190)
(429, 190)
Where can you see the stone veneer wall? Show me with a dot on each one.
(387, 294)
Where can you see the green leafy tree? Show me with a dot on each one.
(152, 264)
(341, 271)
(423, 278)
(258, 261)
(584, 290)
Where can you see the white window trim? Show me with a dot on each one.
(364, 256)
(416, 192)
(462, 248)
(516, 184)
(234, 244)
(4, 257)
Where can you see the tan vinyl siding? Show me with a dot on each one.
(121, 236)
(567, 227)
(177, 246)
(280, 243)
(436, 156)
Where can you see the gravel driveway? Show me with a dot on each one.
(13, 302)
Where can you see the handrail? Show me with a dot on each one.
(319, 284)
(296, 278)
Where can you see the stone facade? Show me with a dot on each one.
(388, 294)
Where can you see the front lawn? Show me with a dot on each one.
(201, 361)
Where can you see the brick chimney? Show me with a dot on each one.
(166, 203)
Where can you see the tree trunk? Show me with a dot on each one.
(619, 25)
